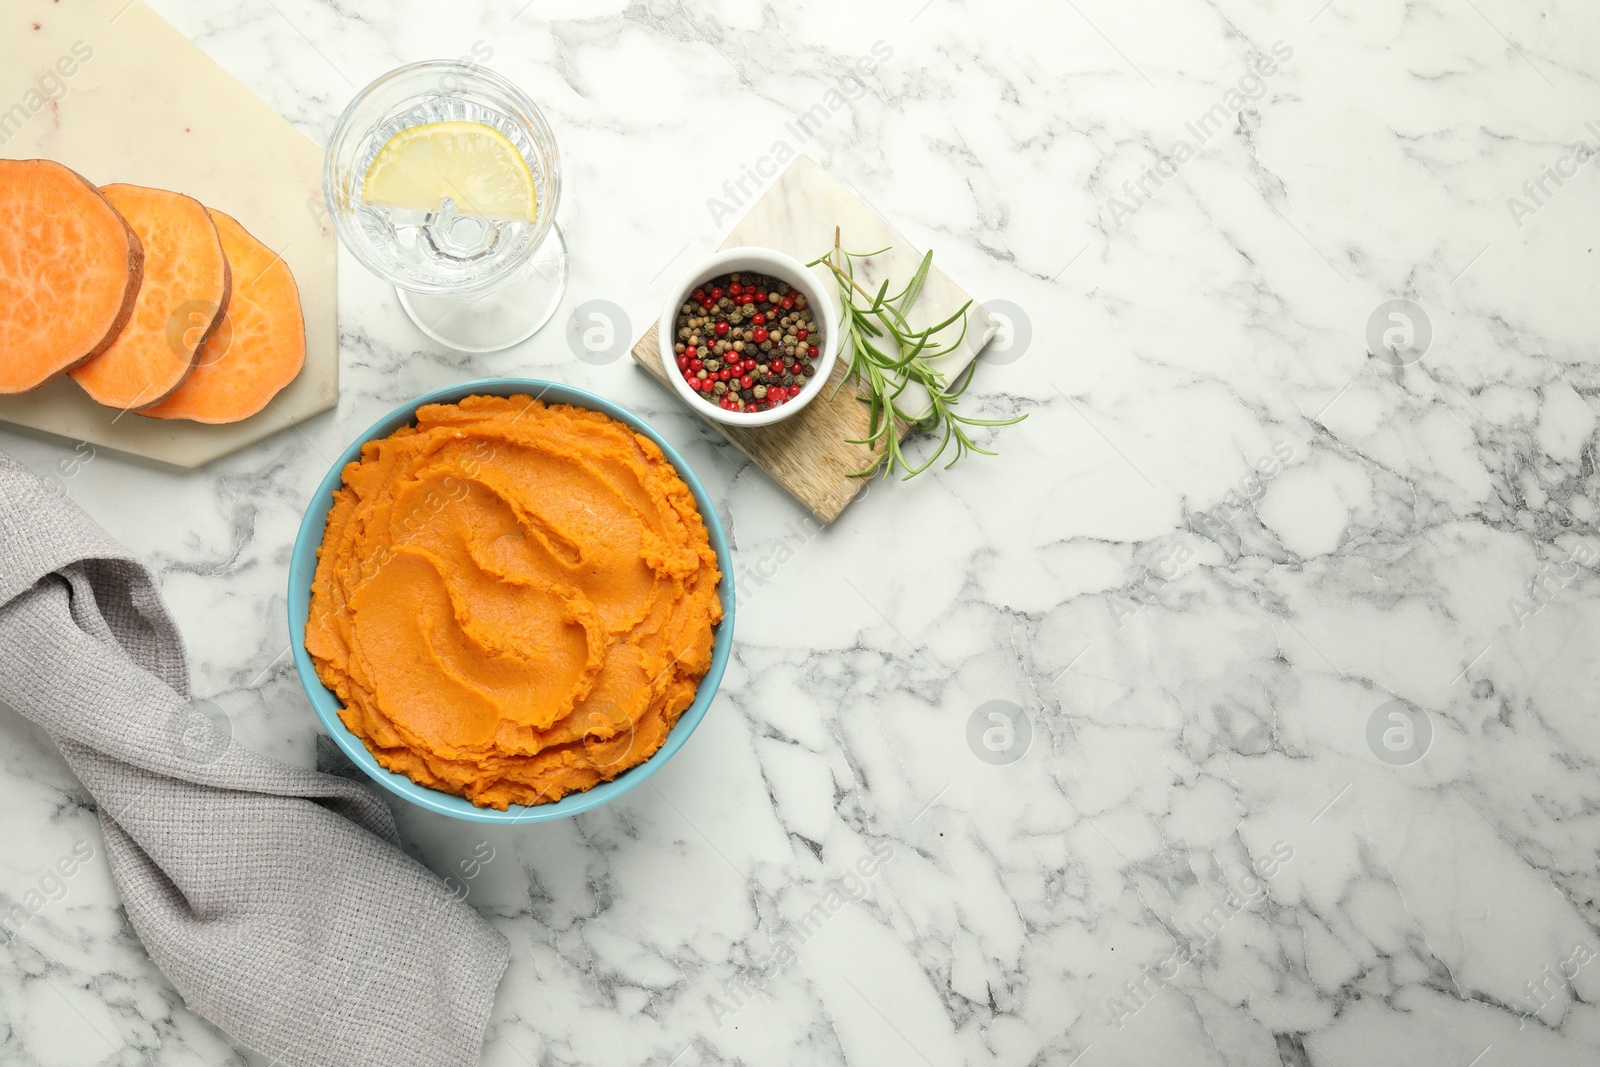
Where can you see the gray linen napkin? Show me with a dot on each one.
(276, 899)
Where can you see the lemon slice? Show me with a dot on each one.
(471, 163)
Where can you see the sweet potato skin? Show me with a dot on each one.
(185, 270)
(260, 347)
(106, 223)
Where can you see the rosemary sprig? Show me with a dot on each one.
(883, 372)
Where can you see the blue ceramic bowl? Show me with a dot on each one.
(303, 565)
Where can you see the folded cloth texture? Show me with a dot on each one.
(276, 899)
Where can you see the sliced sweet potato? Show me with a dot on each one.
(181, 301)
(70, 269)
(260, 346)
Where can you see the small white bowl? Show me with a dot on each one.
(763, 261)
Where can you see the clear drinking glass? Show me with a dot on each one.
(474, 284)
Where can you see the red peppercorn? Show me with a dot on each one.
(746, 382)
(691, 351)
(759, 319)
(783, 394)
(801, 335)
(716, 294)
(725, 373)
(788, 303)
(707, 304)
(695, 364)
(698, 295)
(812, 351)
(760, 334)
(721, 328)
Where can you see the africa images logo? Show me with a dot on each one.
(1399, 733)
(48, 88)
(1251, 86)
(1399, 332)
(850, 86)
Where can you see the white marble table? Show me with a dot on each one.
(1304, 637)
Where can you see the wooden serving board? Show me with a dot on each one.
(112, 91)
(809, 453)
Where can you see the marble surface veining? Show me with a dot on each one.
(1241, 712)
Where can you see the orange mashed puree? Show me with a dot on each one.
(513, 601)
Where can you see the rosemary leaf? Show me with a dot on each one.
(914, 289)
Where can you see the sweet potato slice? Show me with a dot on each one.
(181, 301)
(70, 269)
(260, 346)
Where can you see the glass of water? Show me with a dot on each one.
(443, 179)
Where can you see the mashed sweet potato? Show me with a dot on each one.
(513, 601)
